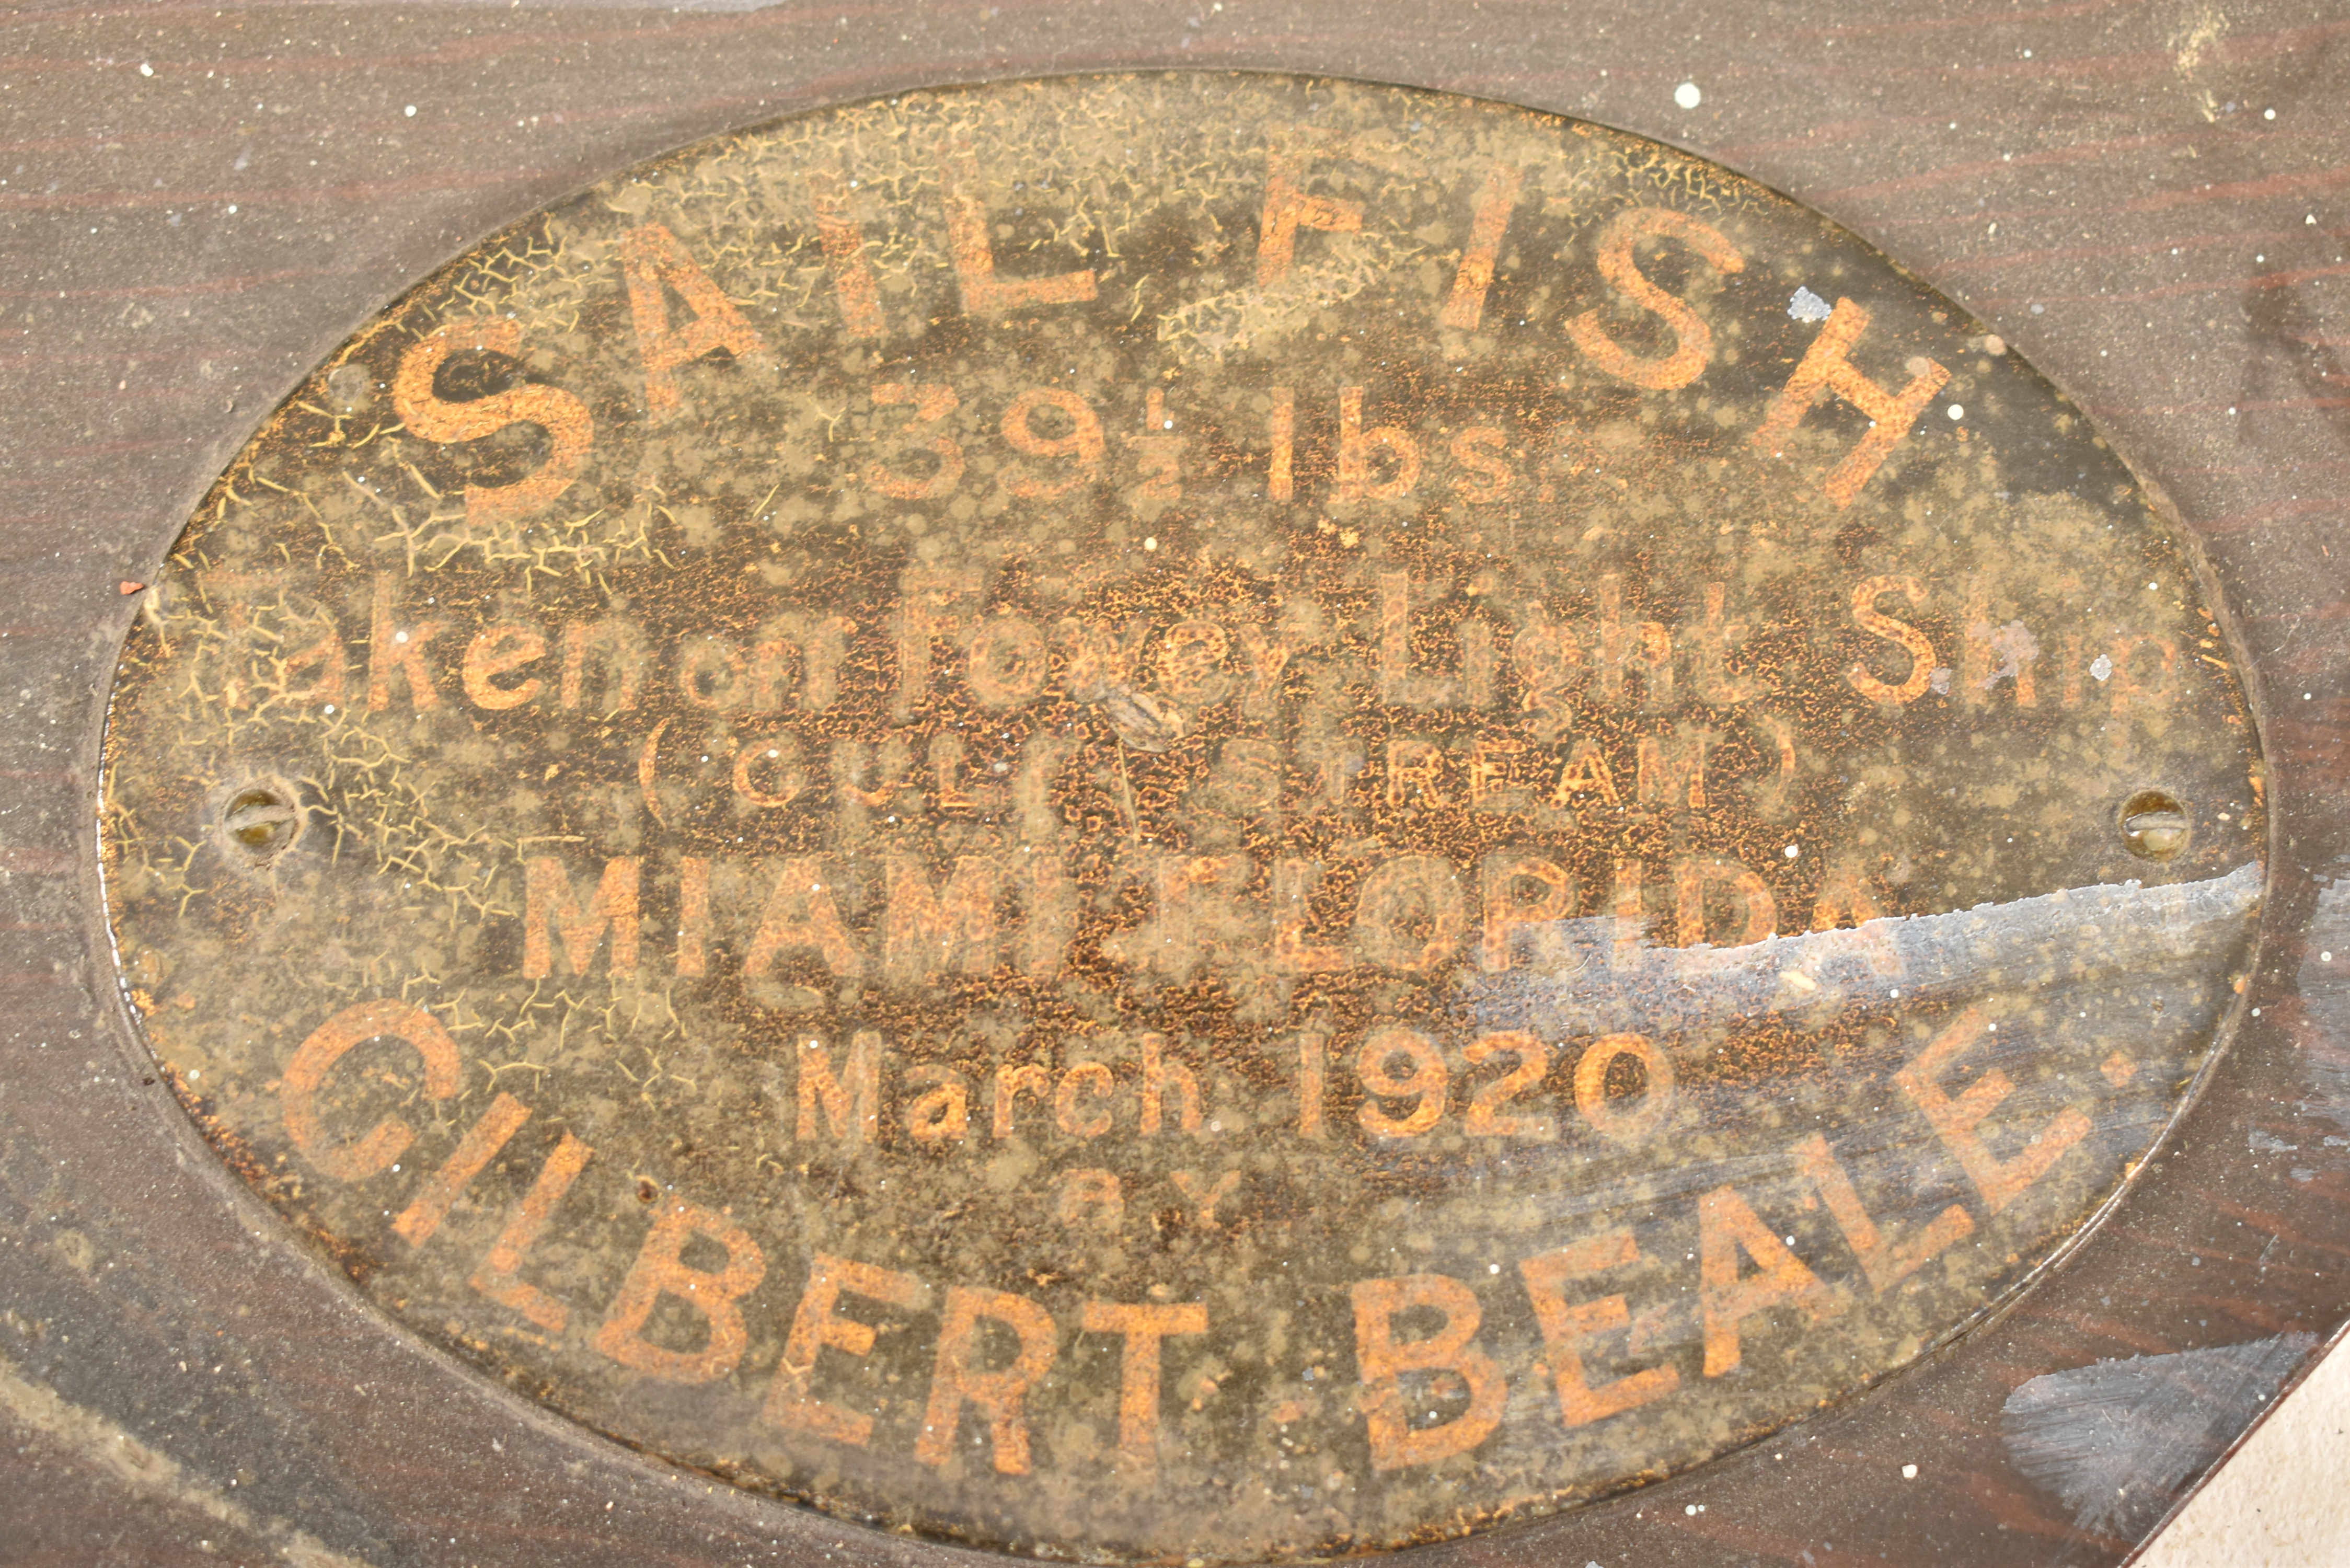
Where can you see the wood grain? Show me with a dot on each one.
(2099, 179)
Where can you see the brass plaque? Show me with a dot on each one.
(1181, 816)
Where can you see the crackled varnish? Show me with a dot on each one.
(1181, 816)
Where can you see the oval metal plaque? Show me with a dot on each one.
(1181, 816)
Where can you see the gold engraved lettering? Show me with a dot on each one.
(783, 750)
(983, 293)
(1621, 646)
(715, 1294)
(1082, 443)
(999, 1394)
(1486, 1116)
(1727, 1225)
(305, 1076)
(1048, 914)
(1203, 1195)
(1090, 1194)
(1827, 368)
(1145, 1327)
(1496, 198)
(940, 1114)
(1671, 770)
(800, 916)
(623, 650)
(1355, 446)
(1865, 615)
(1161, 1072)
(1415, 767)
(1085, 1081)
(1012, 1080)
(1692, 338)
(1281, 427)
(1695, 881)
(1479, 449)
(711, 672)
(844, 255)
(1397, 683)
(1313, 1069)
(1158, 455)
(1520, 890)
(654, 262)
(2129, 691)
(1845, 894)
(390, 647)
(1427, 1087)
(1196, 916)
(1410, 914)
(570, 430)
(497, 1276)
(1293, 882)
(552, 905)
(1988, 655)
(497, 651)
(1885, 1261)
(1489, 766)
(1611, 1117)
(1565, 1327)
(1191, 662)
(851, 1109)
(1266, 659)
(1476, 641)
(816, 1326)
(1381, 1360)
(1289, 149)
(1631, 918)
(951, 928)
(692, 915)
(930, 404)
(1585, 771)
(1959, 1122)
(820, 643)
(1006, 662)
(1547, 661)
(481, 1144)
(1714, 636)
(931, 602)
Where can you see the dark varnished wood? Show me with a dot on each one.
(140, 351)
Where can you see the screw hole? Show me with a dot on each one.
(2155, 826)
(261, 822)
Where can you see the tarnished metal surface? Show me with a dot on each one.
(1198, 816)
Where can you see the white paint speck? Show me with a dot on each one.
(147, 70)
(1956, 410)
(410, 111)
(1908, 1472)
(1794, 850)
(1687, 96)
(1151, 543)
(2268, 114)
(2103, 669)
(1805, 306)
